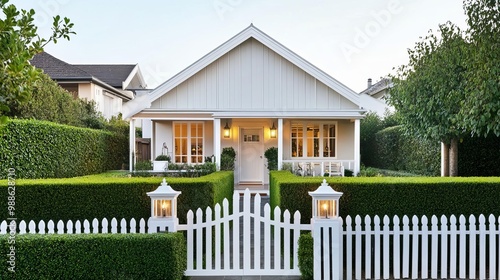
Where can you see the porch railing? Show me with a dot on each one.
(319, 167)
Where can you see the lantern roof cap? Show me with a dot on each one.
(164, 190)
(324, 191)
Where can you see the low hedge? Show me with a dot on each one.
(41, 149)
(96, 256)
(89, 197)
(306, 256)
(390, 195)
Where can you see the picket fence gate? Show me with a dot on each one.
(220, 243)
(76, 227)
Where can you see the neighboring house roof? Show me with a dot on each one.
(64, 72)
(112, 74)
(373, 98)
(250, 32)
(378, 89)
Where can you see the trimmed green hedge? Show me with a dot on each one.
(89, 198)
(96, 256)
(390, 195)
(40, 149)
(396, 151)
(306, 256)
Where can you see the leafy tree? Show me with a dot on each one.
(480, 111)
(19, 42)
(369, 126)
(428, 91)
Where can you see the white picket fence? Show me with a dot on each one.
(76, 227)
(214, 240)
(421, 250)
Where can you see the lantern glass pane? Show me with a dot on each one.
(326, 209)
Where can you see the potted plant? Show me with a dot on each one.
(161, 163)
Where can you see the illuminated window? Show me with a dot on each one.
(188, 138)
(313, 139)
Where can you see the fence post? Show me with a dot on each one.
(327, 232)
(163, 209)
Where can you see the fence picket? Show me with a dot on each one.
(190, 240)
(246, 229)
(492, 249)
(348, 250)
(425, 247)
(218, 243)
(236, 231)
(444, 247)
(414, 246)
(32, 227)
(78, 227)
(22, 227)
(114, 225)
(69, 227)
(376, 256)
(123, 226)
(95, 226)
(86, 226)
(256, 235)
(142, 226)
(326, 252)
(60, 227)
(463, 249)
(3, 227)
(385, 254)
(277, 238)
(482, 247)
(104, 225)
(368, 248)
(199, 239)
(286, 241)
(267, 237)
(227, 248)
(434, 247)
(208, 241)
(133, 226)
(453, 246)
(472, 247)
(296, 236)
(41, 227)
(396, 248)
(406, 246)
(358, 247)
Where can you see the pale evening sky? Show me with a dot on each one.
(350, 40)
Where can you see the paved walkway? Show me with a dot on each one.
(263, 190)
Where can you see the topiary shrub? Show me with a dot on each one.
(227, 158)
(271, 155)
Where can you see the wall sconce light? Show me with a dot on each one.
(273, 131)
(227, 131)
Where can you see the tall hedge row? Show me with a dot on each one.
(89, 198)
(95, 256)
(39, 149)
(390, 195)
(396, 151)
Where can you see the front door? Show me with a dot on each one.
(251, 156)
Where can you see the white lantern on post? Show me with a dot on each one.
(163, 209)
(325, 202)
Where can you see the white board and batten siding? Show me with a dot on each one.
(252, 77)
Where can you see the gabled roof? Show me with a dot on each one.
(247, 33)
(58, 69)
(384, 83)
(112, 74)
(61, 71)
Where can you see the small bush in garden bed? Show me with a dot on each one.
(97, 256)
(390, 195)
(99, 197)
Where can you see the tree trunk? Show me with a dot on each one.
(445, 159)
(454, 157)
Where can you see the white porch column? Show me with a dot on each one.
(217, 141)
(132, 145)
(153, 140)
(357, 140)
(280, 144)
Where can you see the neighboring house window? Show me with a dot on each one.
(188, 139)
(314, 139)
(108, 106)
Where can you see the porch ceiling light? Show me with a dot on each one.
(227, 131)
(273, 131)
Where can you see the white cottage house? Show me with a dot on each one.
(252, 93)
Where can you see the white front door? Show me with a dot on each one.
(251, 156)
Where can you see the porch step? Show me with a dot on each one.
(253, 192)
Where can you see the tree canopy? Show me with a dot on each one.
(19, 42)
(451, 84)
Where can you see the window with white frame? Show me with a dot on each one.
(314, 139)
(188, 139)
